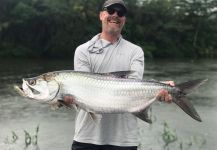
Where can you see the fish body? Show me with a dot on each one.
(106, 93)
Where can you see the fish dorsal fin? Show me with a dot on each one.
(119, 74)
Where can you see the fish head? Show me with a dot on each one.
(43, 87)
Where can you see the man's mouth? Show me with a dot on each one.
(114, 20)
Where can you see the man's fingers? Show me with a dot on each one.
(164, 96)
(68, 100)
(171, 83)
(168, 98)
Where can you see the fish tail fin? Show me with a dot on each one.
(189, 86)
(182, 102)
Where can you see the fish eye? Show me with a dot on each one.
(32, 82)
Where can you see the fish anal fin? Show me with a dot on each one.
(143, 115)
(143, 110)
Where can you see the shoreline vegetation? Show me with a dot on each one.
(54, 28)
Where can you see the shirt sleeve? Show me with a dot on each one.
(81, 62)
(137, 64)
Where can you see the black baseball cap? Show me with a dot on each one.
(109, 3)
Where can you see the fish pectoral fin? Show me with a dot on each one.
(62, 103)
(56, 105)
(143, 115)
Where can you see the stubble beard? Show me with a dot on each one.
(114, 32)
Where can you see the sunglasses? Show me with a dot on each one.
(111, 11)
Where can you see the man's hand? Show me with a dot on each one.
(164, 95)
(68, 100)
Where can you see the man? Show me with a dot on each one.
(109, 52)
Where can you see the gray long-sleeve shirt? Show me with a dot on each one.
(101, 56)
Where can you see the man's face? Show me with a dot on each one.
(113, 20)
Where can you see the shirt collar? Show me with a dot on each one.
(97, 45)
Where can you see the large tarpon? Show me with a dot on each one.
(106, 93)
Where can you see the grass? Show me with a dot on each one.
(28, 138)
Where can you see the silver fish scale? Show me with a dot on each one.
(105, 94)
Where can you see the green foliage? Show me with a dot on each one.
(10, 50)
(54, 28)
(31, 139)
(168, 136)
(13, 138)
(171, 141)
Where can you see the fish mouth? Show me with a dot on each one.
(20, 90)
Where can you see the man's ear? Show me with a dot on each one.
(101, 15)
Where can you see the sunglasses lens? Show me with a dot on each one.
(111, 11)
(120, 13)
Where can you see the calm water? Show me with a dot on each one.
(56, 128)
